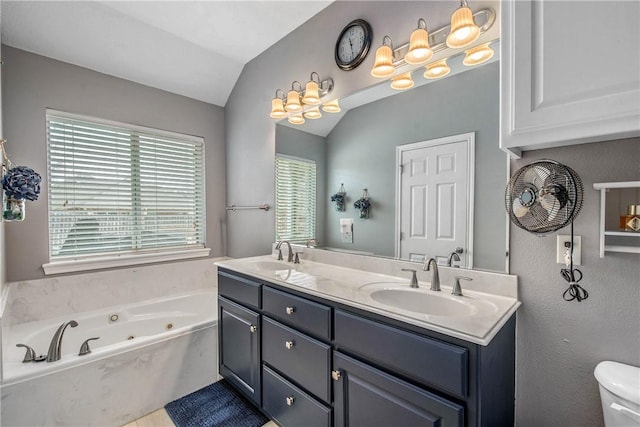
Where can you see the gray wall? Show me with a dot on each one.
(362, 154)
(559, 343)
(32, 83)
(296, 143)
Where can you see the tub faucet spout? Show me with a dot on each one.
(56, 342)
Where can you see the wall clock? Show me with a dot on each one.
(353, 44)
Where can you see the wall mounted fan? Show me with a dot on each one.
(543, 196)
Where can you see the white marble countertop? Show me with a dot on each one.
(489, 311)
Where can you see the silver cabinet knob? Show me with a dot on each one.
(336, 375)
(253, 328)
(289, 344)
(290, 310)
(289, 400)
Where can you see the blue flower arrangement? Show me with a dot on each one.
(363, 204)
(339, 198)
(21, 182)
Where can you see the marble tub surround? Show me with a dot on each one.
(51, 297)
(352, 285)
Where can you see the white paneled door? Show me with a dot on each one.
(434, 199)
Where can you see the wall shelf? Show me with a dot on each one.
(619, 241)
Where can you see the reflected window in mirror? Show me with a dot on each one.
(295, 207)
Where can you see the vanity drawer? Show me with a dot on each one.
(239, 288)
(304, 360)
(432, 362)
(290, 406)
(298, 312)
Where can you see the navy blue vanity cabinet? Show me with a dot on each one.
(296, 356)
(239, 338)
(365, 396)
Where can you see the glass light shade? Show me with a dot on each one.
(419, 50)
(464, 30)
(402, 82)
(293, 102)
(277, 109)
(313, 113)
(311, 96)
(437, 69)
(478, 55)
(296, 119)
(383, 66)
(331, 107)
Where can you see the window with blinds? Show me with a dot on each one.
(295, 208)
(117, 189)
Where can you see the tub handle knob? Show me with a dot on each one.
(84, 348)
(30, 355)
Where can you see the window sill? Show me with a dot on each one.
(75, 265)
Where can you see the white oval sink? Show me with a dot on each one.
(424, 303)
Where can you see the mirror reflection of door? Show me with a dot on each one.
(434, 206)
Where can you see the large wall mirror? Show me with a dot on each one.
(358, 150)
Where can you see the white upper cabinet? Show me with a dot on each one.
(570, 73)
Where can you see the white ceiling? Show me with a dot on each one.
(192, 48)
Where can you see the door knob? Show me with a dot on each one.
(253, 328)
(289, 400)
(290, 310)
(289, 344)
(336, 375)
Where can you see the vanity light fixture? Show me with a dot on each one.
(311, 95)
(437, 69)
(419, 51)
(293, 99)
(464, 30)
(277, 106)
(402, 82)
(302, 103)
(477, 55)
(332, 106)
(313, 113)
(383, 66)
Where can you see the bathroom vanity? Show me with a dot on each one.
(310, 349)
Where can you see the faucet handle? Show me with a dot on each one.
(414, 278)
(84, 348)
(30, 355)
(457, 289)
(296, 260)
(280, 254)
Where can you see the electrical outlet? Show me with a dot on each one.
(562, 245)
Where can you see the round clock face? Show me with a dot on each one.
(353, 44)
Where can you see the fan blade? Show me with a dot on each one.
(518, 210)
(536, 175)
(551, 204)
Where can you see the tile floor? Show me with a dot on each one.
(160, 418)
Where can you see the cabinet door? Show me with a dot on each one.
(570, 72)
(239, 347)
(365, 396)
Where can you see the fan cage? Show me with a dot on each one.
(545, 178)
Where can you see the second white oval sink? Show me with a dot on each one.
(425, 303)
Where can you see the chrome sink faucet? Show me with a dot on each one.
(56, 342)
(289, 256)
(435, 277)
(453, 256)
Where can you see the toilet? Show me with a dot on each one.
(619, 393)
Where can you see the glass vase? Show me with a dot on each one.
(13, 209)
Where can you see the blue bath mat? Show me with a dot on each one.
(216, 405)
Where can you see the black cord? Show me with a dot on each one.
(573, 276)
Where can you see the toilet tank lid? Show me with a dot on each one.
(620, 379)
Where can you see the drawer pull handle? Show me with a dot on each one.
(289, 344)
(336, 375)
(290, 310)
(253, 328)
(289, 400)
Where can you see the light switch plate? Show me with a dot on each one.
(561, 249)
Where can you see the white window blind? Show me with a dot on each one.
(295, 199)
(122, 189)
